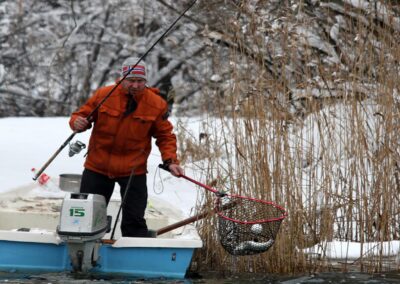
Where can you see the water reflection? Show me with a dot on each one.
(322, 278)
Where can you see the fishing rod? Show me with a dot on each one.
(90, 115)
(123, 201)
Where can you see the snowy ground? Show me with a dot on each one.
(28, 143)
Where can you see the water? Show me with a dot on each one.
(322, 278)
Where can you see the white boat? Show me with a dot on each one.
(30, 241)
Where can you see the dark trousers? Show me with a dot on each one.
(133, 223)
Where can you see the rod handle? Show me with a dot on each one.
(182, 223)
(195, 218)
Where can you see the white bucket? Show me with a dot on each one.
(70, 182)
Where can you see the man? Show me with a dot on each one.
(120, 143)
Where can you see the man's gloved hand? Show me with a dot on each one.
(176, 170)
(81, 124)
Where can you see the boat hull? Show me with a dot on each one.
(33, 257)
(22, 252)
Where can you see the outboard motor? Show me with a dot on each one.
(83, 222)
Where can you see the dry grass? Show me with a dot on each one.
(334, 165)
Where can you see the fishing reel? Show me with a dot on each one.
(76, 148)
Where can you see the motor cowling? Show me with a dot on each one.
(83, 222)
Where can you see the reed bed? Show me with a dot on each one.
(332, 160)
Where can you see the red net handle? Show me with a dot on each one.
(224, 207)
(164, 167)
(202, 185)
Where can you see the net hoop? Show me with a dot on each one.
(220, 210)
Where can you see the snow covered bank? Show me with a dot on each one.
(29, 142)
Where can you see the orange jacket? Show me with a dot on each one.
(121, 143)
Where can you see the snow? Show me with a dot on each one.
(29, 142)
(351, 250)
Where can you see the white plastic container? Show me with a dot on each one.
(70, 182)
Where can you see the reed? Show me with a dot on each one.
(332, 160)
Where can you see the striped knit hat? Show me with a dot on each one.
(138, 72)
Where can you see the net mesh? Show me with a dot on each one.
(247, 226)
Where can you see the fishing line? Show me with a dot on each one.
(90, 115)
(161, 182)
